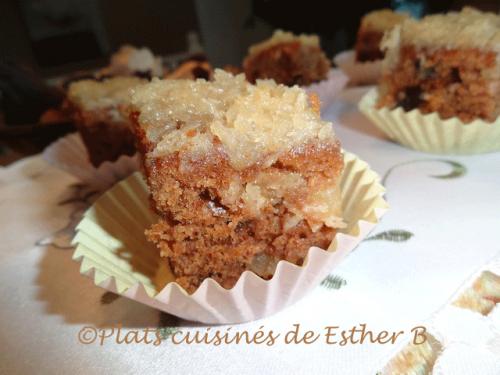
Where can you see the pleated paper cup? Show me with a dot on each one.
(429, 133)
(328, 89)
(359, 73)
(114, 252)
(69, 154)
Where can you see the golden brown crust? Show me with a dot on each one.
(451, 82)
(467, 29)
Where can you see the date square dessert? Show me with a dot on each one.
(241, 175)
(447, 64)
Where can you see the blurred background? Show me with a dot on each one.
(57, 36)
(50, 38)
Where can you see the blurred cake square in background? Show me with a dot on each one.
(127, 61)
(363, 65)
(444, 63)
(288, 59)
(130, 60)
(96, 104)
(97, 110)
(371, 31)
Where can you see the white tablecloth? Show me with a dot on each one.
(442, 229)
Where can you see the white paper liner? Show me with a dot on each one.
(359, 73)
(429, 133)
(112, 248)
(329, 88)
(70, 155)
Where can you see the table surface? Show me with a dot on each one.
(441, 231)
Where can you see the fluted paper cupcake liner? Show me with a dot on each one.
(329, 88)
(69, 154)
(114, 252)
(359, 73)
(429, 133)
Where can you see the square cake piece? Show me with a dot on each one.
(447, 64)
(241, 175)
(371, 31)
(288, 59)
(96, 108)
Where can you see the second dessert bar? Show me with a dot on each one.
(447, 64)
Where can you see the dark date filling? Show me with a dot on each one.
(144, 74)
(410, 98)
(199, 72)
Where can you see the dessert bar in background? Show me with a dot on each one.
(288, 59)
(96, 108)
(447, 64)
(96, 104)
(194, 67)
(130, 61)
(241, 175)
(127, 61)
(371, 31)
